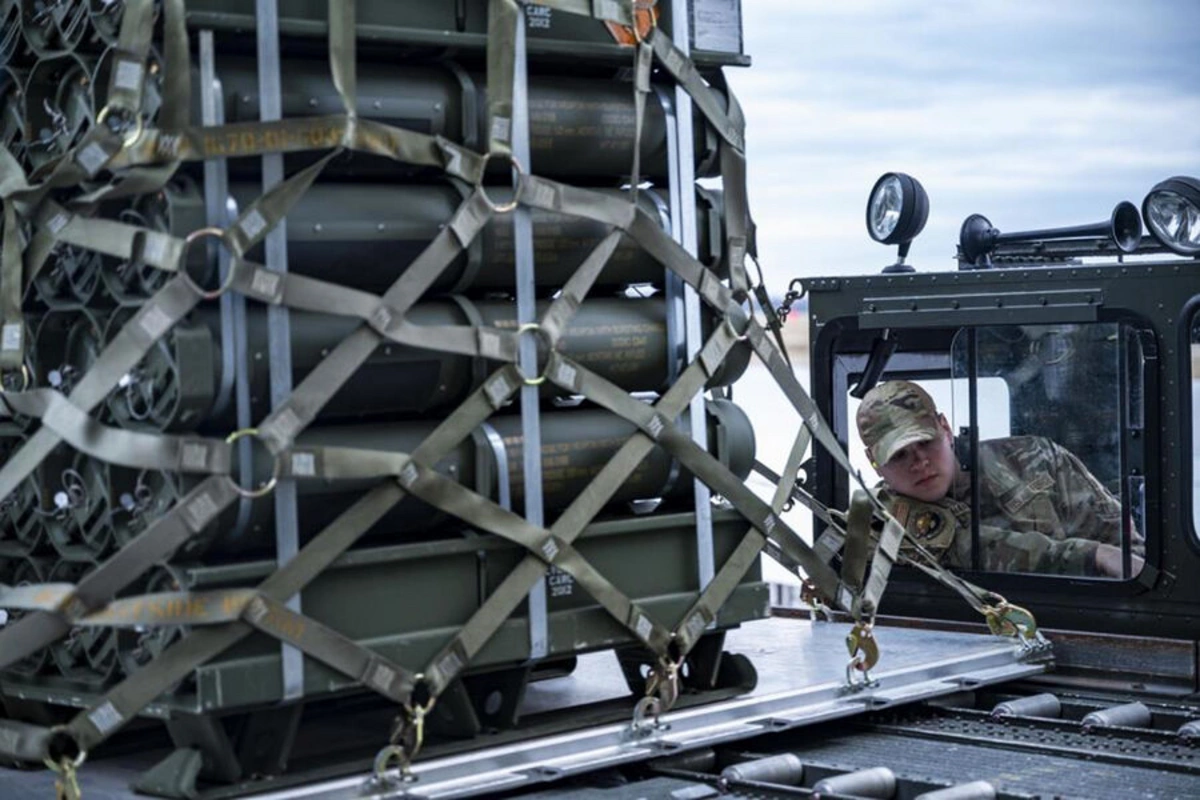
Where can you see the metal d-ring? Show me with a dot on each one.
(25, 379)
(537, 329)
(265, 489)
(739, 337)
(196, 235)
(511, 205)
(138, 130)
(65, 763)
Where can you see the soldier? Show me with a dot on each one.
(1040, 508)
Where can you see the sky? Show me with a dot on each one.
(1034, 114)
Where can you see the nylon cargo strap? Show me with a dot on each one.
(551, 547)
(125, 87)
(151, 322)
(713, 597)
(189, 517)
(421, 274)
(503, 18)
(76, 604)
(729, 123)
(94, 725)
(172, 114)
(223, 606)
(501, 603)
(831, 541)
(282, 425)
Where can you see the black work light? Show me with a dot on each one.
(1172, 213)
(896, 212)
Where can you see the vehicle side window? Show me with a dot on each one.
(1050, 491)
(1032, 472)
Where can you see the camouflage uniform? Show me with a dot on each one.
(1040, 508)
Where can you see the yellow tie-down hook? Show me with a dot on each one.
(864, 654)
(662, 690)
(1005, 619)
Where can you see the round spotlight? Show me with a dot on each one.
(1172, 213)
(897, 209)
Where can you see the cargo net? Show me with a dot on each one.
(56, 243)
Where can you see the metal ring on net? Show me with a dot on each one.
(138, 129)
(511, 205)
(59, 734)
(219, 234)
(537, 329)
(25, 379)
(265, 489)
(743, 336)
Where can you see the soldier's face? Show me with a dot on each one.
(924, 470)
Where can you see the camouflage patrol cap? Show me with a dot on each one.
(894, 415)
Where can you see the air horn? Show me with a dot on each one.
(978, 239)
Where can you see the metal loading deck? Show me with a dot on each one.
(801, 681)
(581, 722)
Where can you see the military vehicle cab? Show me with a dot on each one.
(1085, 335)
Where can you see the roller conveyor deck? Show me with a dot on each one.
(574, 725)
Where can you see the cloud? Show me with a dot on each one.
(1037, 116)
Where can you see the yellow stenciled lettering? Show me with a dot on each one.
(196, 607)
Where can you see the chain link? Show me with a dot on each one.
(795, 291)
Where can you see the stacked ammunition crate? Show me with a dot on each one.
(174, 294)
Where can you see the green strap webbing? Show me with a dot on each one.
(538, 192)
(702, 465)
(311, 294)
(723, 584)
(118, 446)
(452, 497)
(343, 38)
(55, 224)
(830, 517)
(320, 384)
(804, 405)
(39, 629)
(135, 339)
(173, 114)
(785, 485)
(643, 61)
(298, 134)
(558, 316)
(886, 552)
(686, 74)
(151, 322)
(858, 540)
(12, 321)
(128, 77)
(499, 606)
(268, 615)
(176, 108)
(301, 408)
(157, 542)
(23, 741)
(503, 19)
(739, 228)
(92, 726)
